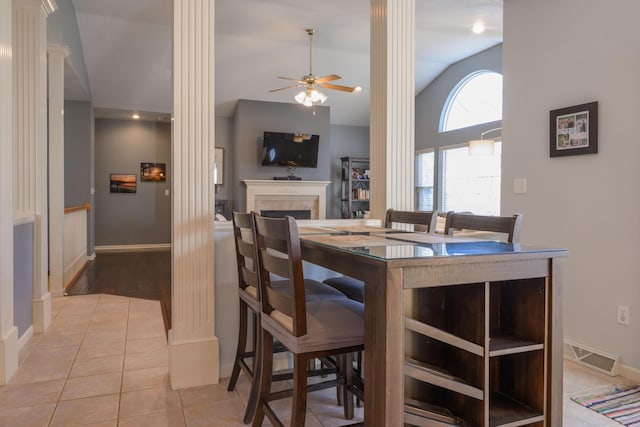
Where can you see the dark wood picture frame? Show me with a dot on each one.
(574, 130)
(155, 172)
(123, 183)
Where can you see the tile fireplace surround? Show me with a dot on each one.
(287, 195)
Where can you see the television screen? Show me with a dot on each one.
(290, 149)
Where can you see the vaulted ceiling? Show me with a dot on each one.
(127, 49)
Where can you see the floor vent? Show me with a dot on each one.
(595, 359)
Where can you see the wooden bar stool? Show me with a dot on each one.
(249, 298)
(313, 329)
(509, 225)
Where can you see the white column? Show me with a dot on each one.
(193, 345)
(30, 138)
(57, 55)
(392, 143)
(392, 167)
(8, 331)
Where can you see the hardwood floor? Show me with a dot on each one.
(145, 275)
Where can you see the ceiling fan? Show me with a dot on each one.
(310, 83)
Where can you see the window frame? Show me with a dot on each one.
(441, 178)
(434, 201)
(453, 94)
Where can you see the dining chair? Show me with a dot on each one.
(507, 225)
(421, 220)
(309, 329)
(249, 298)
(424, 221)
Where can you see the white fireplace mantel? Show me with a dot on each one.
(310, 195)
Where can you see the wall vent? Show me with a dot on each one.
(595, 359)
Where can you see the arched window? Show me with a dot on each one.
(476, 99)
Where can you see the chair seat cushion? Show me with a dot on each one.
(331, 324)
(313, 291)
(352, 288)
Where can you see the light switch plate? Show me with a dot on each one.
(166, 192)
(520, 186)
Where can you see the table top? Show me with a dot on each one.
(390, 244)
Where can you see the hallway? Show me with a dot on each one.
(145, 275)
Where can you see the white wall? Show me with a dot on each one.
(559, 53)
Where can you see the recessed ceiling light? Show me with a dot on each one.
(357, 88)
(135, 116)
(478, 28)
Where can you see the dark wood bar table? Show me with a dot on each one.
(455, 328)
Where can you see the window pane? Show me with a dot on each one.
(471, 183)
(476, 100)
(424, 181)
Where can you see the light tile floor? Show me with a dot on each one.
(103, 363)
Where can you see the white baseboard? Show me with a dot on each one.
(74, 267)
(42, 313)
(193, 363)
(8, 355)
(133, 248)
(24, 339)
(630, 373)
(92, 256)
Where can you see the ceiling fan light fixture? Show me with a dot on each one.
(315, 96)
(300, 97)
(310, 95)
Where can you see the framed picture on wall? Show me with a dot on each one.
(155, 172)
(574, 130)
(122, 183)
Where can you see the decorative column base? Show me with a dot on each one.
(41, 313)
(193, 363)
(8, 355)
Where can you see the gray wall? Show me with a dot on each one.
(143, 217)
(62, 28)
(430, 102)
(251, 119)
(346, 141)
(587, 203)
(23, 276)
(224, 140)
(78, 160)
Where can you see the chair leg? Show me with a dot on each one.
(347, 395)
(241, 348)
(266, 371)
(252, 402)
(359, 373)
(299, 406)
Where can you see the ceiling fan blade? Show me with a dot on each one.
(283, 88)
(328, 78)
(294, 80)
(338, 87)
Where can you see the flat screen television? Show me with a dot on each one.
(298, 150)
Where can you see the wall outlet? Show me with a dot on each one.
(623, 314)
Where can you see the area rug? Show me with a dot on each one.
(621, 403)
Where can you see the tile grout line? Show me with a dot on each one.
(124, 355)
(75, 357)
